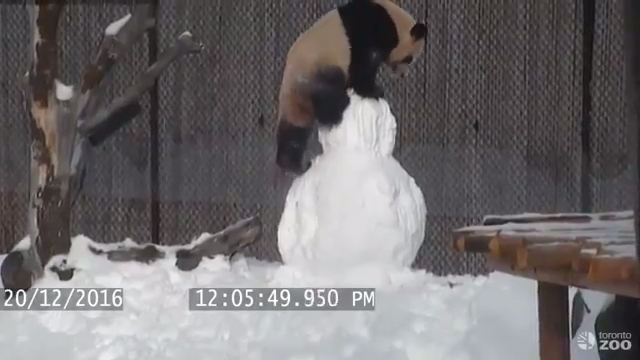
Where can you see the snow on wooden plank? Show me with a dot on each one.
(597, 249)
(559, 217)
(616, 225)
(602, 228)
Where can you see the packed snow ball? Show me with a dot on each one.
(356, 204)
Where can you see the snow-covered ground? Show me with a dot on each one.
(418, 316)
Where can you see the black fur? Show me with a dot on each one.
(419, 31)
(292, 141)
(621, 316)
(372, 35)
(329, 98)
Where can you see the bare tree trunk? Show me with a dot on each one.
(49, 210)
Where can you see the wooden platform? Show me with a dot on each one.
(593, 251)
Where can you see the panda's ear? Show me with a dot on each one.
(419, 31)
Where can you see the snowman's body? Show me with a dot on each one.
(356, 205)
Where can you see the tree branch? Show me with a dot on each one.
(109, 119)
(118, 38)
(116, 120)
(227, 242)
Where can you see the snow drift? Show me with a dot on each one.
(418, 316)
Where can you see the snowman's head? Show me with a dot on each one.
(367, 126)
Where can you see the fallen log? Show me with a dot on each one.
(227, 242)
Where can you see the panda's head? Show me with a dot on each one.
(409, 40)
(408, 50)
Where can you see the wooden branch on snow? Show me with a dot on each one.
(145, 254)
(226, 242)
(65, 122)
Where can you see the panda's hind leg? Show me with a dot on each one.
(292, 143)
(329, 95)
(293, 132)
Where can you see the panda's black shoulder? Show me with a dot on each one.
(368, 27)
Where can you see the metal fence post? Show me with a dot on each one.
(588, 21)
(154, 138)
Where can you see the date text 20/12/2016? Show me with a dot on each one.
(57, 299)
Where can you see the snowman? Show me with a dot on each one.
(355, 205)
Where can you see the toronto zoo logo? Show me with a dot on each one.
(586, 340)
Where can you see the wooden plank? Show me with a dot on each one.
(593, 251)
(567, 278)
(473, 244)
(609, 269)
(558, 256)
(553, 321)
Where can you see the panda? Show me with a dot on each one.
(343, 49)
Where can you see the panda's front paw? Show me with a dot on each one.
(378, 92)
(372, 91)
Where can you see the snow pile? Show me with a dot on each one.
(113, 28)
(356, 204)
(418, 316)
(63, 92)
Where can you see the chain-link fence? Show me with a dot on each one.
(489, 120)
(631, 10)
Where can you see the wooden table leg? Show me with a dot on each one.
(553, 318)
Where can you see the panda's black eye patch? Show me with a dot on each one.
(419, 31)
